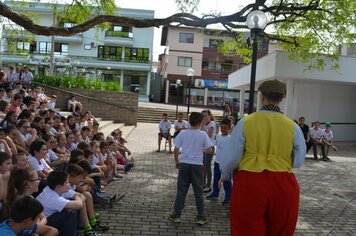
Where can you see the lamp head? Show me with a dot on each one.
(256, 20)
(190, 72)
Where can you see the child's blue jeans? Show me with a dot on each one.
(226, 183)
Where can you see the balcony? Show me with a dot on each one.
(118, 38)
(78, 38)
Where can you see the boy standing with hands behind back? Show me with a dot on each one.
(193, 143)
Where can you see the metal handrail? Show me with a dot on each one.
(86, 97)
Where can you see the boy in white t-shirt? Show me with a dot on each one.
(52, 102)
(328, 136)
(179, 125)
(316, 140)
(193, 143)
(61, 213)
(221, 140)
(164, 132)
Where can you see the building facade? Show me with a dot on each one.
(326, 96)
(121, 53)
(198, 49)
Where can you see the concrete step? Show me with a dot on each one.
(104, 123)
(127, 130)
(109, 128)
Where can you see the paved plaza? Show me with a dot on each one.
(326, 191)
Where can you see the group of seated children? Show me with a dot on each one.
(55, 166)
(317, 137)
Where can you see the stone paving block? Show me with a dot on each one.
(326, 188)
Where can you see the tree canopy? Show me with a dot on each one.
(306, 28)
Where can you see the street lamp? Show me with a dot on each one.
(178, 84)
(256, 22)
(190, 74)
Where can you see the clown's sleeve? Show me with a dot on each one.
(299, 147)
(232, 152)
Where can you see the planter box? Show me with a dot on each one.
(100, 109)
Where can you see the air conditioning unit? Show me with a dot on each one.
(94, 45)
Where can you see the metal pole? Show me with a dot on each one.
(253, 71)
(190, 78)
(177, 97)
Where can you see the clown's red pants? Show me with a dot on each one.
(264, 204)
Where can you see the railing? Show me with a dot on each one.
(86, 97)
(118, 34)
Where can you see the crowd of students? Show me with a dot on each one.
(53, 169)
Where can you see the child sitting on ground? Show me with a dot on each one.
(90, 224)
(99, 196)
(61, 213)
(24, 215)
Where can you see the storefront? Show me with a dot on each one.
(205, 93)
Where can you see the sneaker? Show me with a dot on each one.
(201, 220)
(118, 175)
(207, 190)
(100, 227)
(97, 216)
(112, 201)
(225, 202)
(120, 196)
(174, 217)
(324, 159)
(211, 197)
(91, 233)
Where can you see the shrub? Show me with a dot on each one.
(78, 82)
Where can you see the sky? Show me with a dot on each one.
(165, 8)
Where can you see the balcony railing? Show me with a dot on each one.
(119, 34)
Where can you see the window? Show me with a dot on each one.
(69, 25)
(211, 66)
(110, 53)
(23, 46)
(227, 66)
(186, 37)
(45, 48)
(60, 49)
(117, 28)
(185, 61)
(119, 31)
(215, 43)
(137, 54)
(87, 46)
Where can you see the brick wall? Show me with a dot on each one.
(98, 109)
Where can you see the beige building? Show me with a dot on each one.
(198, 49)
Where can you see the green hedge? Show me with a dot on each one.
(78, 82)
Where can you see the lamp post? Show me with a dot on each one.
(178, 84)
(190, 74)
(256, 22)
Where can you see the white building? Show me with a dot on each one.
(122, 54)
(327, 96)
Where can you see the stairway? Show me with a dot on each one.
(106, 126)
(154, 115)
